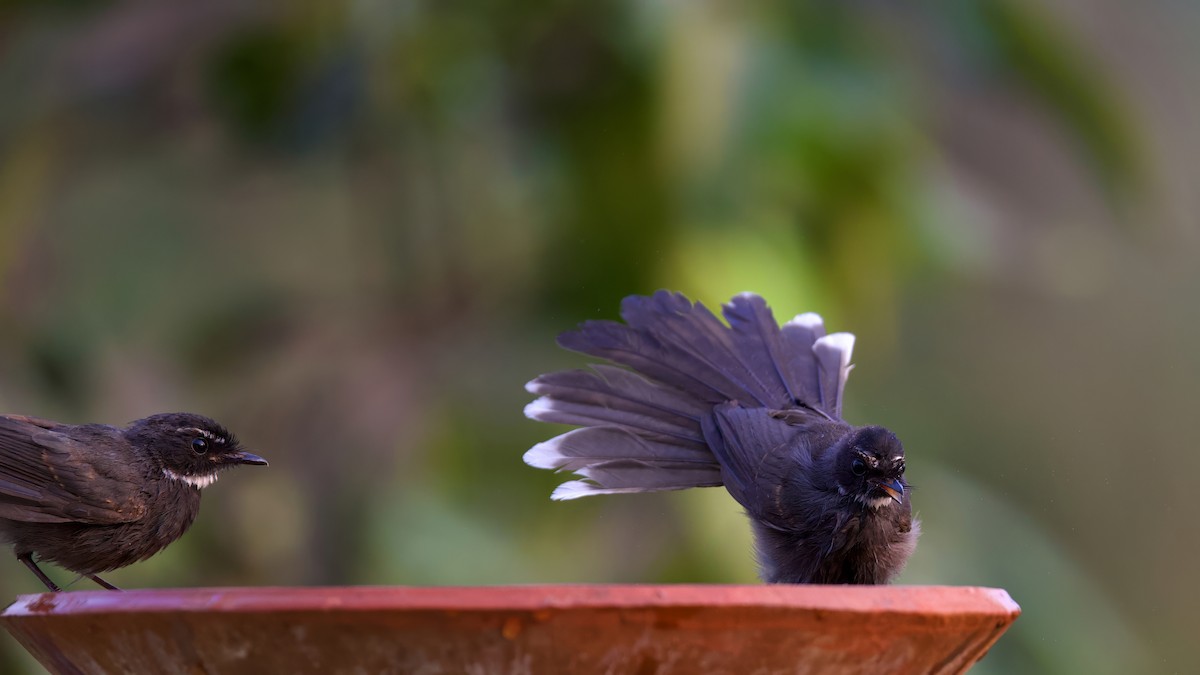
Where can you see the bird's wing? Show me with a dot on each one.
(759, 449)
(47, 477)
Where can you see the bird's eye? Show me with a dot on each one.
(199, 446)
(858, 466)
(901, 467)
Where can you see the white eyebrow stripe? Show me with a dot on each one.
(194, 430)
(202, 432)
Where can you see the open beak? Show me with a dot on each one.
(246, 458)
(893, 488)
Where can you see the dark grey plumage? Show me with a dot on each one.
(93, 498)
(750, 405)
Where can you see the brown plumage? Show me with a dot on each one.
(93, 498)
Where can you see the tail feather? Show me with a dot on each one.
(585, 447)
(833, 360)
(798, 337)
(621, 389)
(642, 428)
(618, 459)
(546, 409)
(697, 335)
(670, 339)
(574, 489)
(621, 344)
(645, 476)
(762, 349)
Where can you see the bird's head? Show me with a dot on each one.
(193, 449)
(870, 467)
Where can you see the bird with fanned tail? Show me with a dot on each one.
(748, 404)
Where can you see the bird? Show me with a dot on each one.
(92, 498)
(749, 405)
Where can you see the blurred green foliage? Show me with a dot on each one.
(352, 230)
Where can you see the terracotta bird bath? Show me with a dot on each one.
(514, 629)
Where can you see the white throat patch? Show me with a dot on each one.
(875, 503)
(195, 481)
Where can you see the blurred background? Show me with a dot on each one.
(351, 232)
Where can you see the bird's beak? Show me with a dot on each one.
(894, 489)
(246, 458)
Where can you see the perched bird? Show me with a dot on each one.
(93, 498)
(748, 405)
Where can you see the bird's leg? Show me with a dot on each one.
(101, 582)
(27, 558)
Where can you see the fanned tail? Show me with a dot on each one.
(643, 427)
(615, 459)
